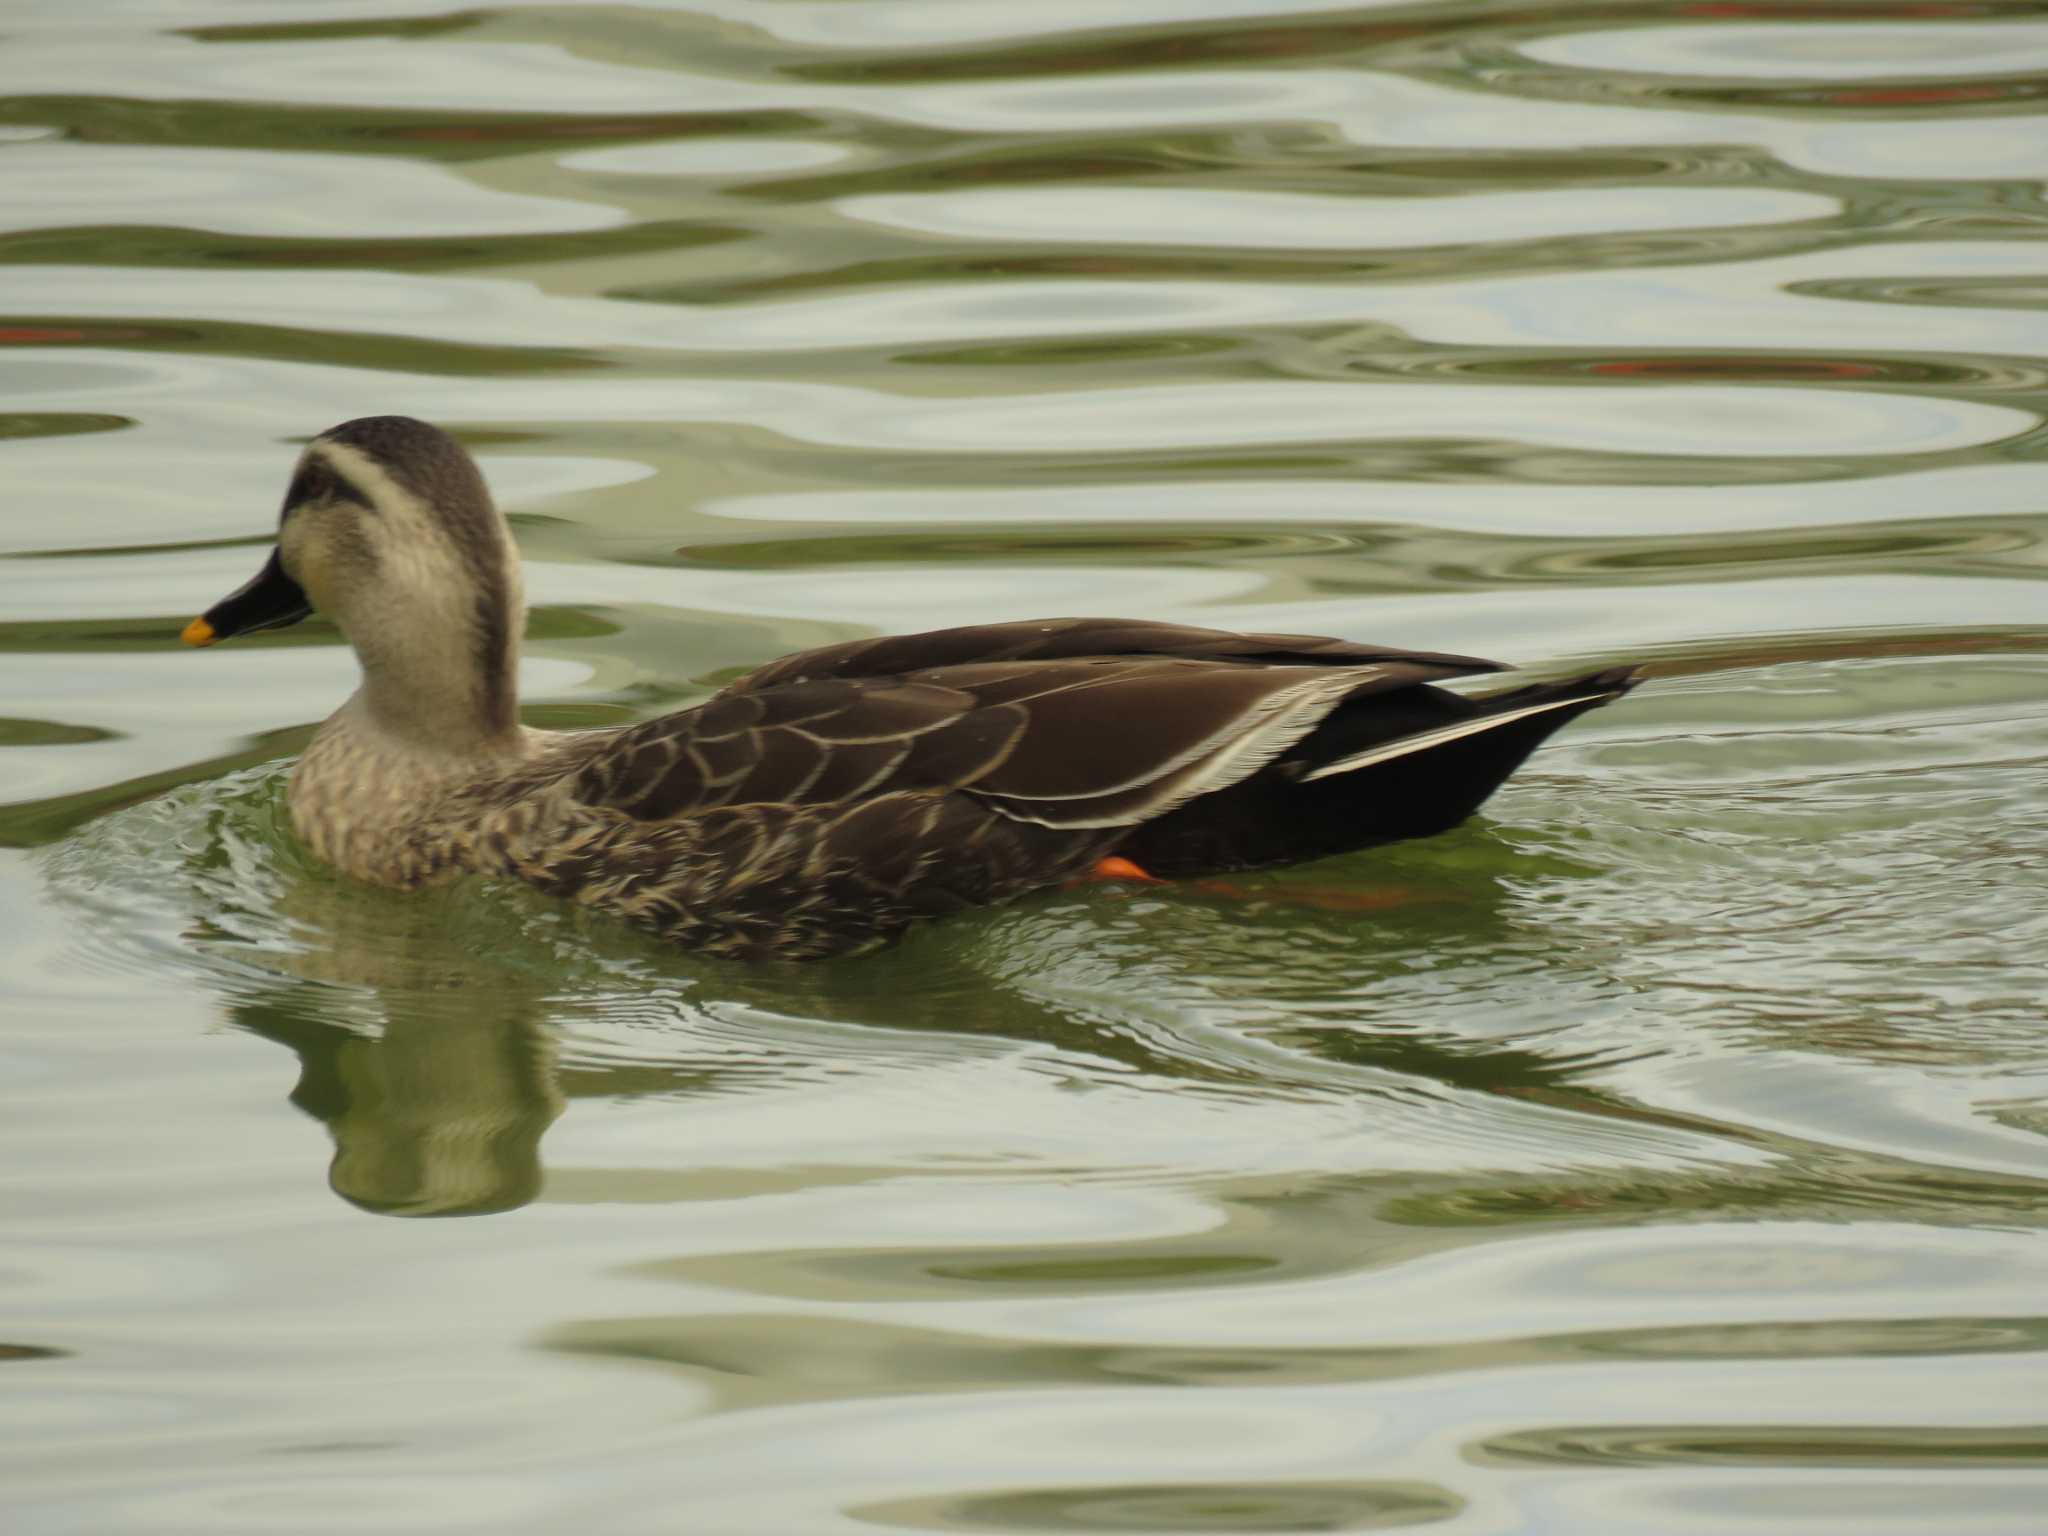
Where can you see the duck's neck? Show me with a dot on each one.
(458, 697)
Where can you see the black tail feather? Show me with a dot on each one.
(1284, 814)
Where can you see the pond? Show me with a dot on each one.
(1661, 1151)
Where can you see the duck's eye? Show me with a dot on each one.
(316, 481)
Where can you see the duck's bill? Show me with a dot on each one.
(272, 601)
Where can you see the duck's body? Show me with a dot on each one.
(822, 803)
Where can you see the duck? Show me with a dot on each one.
(823, 803)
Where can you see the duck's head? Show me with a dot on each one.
(389, 530)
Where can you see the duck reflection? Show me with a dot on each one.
(439, 1114)
(427, 1055)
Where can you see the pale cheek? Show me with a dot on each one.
(309, 568)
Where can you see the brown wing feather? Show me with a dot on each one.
(1143, 739)
(815, 743)
(825, 801)
(1039, 741)
(1065, 639)
(1090, 740)
(1123, 727)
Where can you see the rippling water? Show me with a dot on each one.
(1661, 1152)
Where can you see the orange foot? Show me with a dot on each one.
(1115, 867)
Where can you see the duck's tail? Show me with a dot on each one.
(1497, 713)
(1380, 768)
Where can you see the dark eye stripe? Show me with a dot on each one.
(317, 481)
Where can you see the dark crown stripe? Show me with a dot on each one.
(319, 481)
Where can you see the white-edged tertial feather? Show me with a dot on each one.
(1444, 735)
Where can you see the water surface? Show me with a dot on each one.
(1660, 1152)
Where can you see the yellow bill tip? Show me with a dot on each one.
(198, 632)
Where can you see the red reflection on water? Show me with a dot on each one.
(1921, 95)
(1744, 367)
(1764, 10)
(35, 335)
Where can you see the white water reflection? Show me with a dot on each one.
(255, 192)
(1508, 508)
(1259, 220)
(1750, 305)
(1845, 50)
(1690, 419)
(916, 24)
(707, 157)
